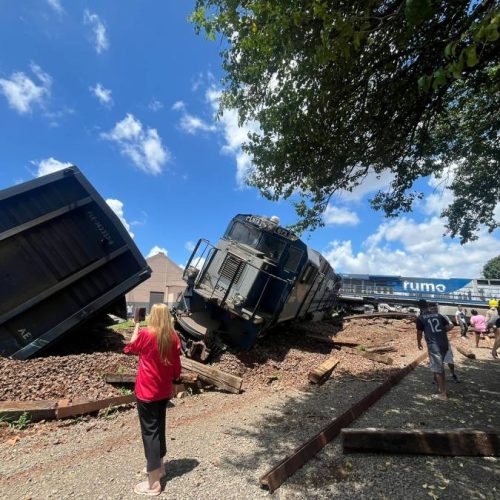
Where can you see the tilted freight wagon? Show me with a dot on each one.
(65, 259)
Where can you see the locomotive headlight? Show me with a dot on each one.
(238, 300)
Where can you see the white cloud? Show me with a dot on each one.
(405, 247)
(117, 207)
(156, 250)
(339, 215)
(56, 5)
(371, 183)
(155, 105)
(234, 135)
(102, 94)
(192, 124)
(189, 246)
(101, 42)
(22, 93)
(142, 145)
(49, 165)
(178, 105)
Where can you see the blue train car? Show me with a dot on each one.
(257, 275)
(473, 293)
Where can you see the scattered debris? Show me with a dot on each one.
(323, 372)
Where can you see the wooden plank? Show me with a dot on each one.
(323, 371)
(387, 315)
(453, 442)
(73, 408)
(465, 352)
(119, 378)
(380, 349)
(322, 338)
(275, 477)
(213, 376)
(38, 410)
(379, 358)
(129, 378)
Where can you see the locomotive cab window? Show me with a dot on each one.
(293, 260)
(271, 246)
(248, 235)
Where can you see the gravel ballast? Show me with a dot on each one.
(220, 444)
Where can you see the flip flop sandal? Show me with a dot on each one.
(143, 489)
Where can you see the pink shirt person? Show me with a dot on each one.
(478, 322)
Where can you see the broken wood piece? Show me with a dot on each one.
(452, 442)
(213, 376)
(322, 372)
(380, 349)
(66, 408)
(379, 358)
(37, 410)
(275, 477)
(129, 378)
(465, 352)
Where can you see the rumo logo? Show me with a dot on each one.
(424, 287)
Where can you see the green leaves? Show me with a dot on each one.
(417, 11)
(405, 87)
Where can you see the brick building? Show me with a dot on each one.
(164, 285)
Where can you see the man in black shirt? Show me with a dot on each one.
(434, 327)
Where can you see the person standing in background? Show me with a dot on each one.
(435, 327)
(492, 315)
(478, 323)
(496, 345)
(461, 321)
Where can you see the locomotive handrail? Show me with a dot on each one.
(199, 279)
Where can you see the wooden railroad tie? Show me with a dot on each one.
(55, 409)
(452, 442)
(213, 376)
(323, 372)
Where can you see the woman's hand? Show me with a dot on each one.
(136, 331)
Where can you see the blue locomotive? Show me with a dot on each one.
(258, 274)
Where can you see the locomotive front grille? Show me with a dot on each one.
(229, 268)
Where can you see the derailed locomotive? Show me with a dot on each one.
(257, 275)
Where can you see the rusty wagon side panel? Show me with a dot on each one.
(64, 258)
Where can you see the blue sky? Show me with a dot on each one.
(127, 91)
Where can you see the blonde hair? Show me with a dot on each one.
(160, 321)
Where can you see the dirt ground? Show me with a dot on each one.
(220, 444)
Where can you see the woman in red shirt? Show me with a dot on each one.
(159, 348)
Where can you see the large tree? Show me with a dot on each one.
(344, 88)
(491, 269)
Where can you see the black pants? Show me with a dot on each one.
(152, 416)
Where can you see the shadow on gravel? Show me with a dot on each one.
(473, 403)
(178, 467)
